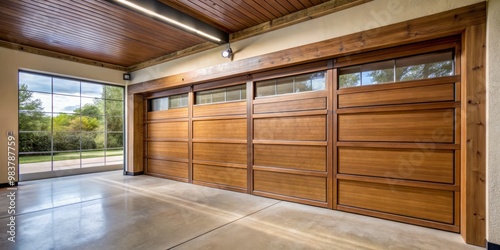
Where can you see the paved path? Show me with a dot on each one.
(28, 168)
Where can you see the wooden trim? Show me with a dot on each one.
(232, 141)
(399, 85)
(136, 132)
(222, 117)
(299, 143)
(438, 25)
(169, 92)
(399, 182)
(406, 107)
(169, 139)
(127, 173)
(62, 56)
(166, 120)
(422, 146)
(439, 44)
(190, 135)
(395, 217)
(250, 150)
(290, 97)
(291, 71)
(183, 160)
(473, 193)
(220, 186)
(291, 114)
(222, 83)
(291, 171)
(220, 164)
(335, 136)
(296, 17)
(291, 198)
(331, 75)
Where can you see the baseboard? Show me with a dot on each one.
(492, 246)
(7, 185)
(133, 173)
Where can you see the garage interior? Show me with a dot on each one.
(376, 138)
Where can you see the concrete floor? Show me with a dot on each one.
(111, 211)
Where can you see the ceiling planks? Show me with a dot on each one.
(99, 32)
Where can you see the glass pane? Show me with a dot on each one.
(114, 140)
(66, 104)
(92, 140)
(219, 95)
(35, 162)
(66, 86)
(203, 97)
(35, 121)
(178, 101)
(114, 123)
(303, 83)
(35, 102)
(114, 108)
(114, 157)
(233, 94)
(66, 141)
(93, 158)
(350, 77)
(424, 66)
(114, 92)
(66, 160)
(35, 82)
(35, 141)
(92, 90)
(158, 104)
(91, 106)
(266, 88)
(92, 123)
(318, 80)
(244, 93)
(66, 122)
(284, 85)
(379, 72)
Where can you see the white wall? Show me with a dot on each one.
(10, 63)
(367, 16)
(493, 121)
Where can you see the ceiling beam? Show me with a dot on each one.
(177, 19)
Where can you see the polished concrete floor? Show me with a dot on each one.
(111, 211)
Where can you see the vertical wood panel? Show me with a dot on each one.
(135, 132)
(473, 193)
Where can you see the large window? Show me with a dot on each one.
(431, 65)
(66, 123)
(292, 84)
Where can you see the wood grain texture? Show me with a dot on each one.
(220, 129)
(168, 114)
(294, 105)
(473, 194)
(168, 168)
(220, 152)
(306, 187)
(434, 205)
(417, 126)
(135, 133)
(302, 128)
(174, 150)
(433, 93)
(168, 130)
(236, 177)
(291, 156)
(420, 165)
(217, 109)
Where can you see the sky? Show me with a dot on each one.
(66, 92)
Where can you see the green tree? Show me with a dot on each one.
(31, 117)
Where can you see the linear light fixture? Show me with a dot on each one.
(173, 17)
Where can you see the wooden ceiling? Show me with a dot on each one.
(103, 33)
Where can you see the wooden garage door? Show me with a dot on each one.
(397, 120)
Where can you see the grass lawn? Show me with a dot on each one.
(67, 156)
